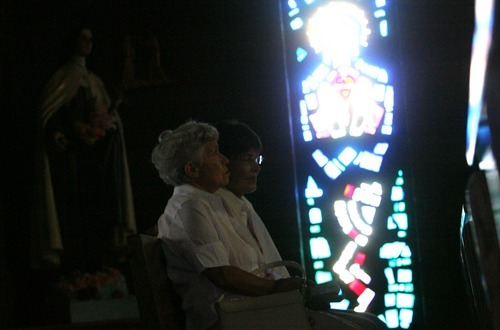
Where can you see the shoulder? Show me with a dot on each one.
(189, 201)
(63, 74)
(248, 204)
(224, 194)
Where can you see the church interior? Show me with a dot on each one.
(223, 59)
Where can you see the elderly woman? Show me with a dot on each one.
(208, 251)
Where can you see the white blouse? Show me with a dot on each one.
(198, 232)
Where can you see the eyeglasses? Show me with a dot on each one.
(251, 159)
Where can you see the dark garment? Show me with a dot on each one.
(87, 187)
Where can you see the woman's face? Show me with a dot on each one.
(83, 46)
(213, 173)
(244, 170)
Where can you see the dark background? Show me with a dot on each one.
(223, 59)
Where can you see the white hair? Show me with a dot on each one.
(177, 147)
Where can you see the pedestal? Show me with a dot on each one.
(104, 310)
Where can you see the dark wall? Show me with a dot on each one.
(223, 60)
(435, 55)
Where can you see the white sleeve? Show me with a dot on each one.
(205, 249)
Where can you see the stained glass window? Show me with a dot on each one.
(350, 159)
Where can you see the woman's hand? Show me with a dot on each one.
(291, 283)
(236, 280)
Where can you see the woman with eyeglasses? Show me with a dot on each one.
(242, 146)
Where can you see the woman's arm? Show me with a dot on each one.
(238, 281)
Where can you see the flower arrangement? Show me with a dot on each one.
(99, 121)
(107, 284)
